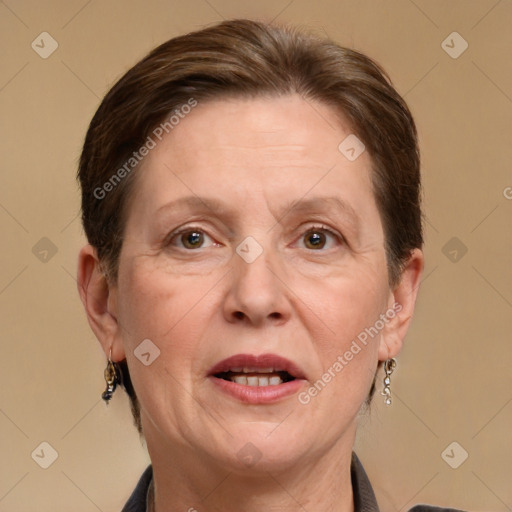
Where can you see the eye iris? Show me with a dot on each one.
(315, 240)
(192, 239)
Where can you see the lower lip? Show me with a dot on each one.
(258, 394)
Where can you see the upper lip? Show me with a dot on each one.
(277, 363)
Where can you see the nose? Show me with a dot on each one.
(257, 293)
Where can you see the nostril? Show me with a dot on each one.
(240, 315)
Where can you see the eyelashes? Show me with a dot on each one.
(314, 238)
(191, 238)
(318, 237)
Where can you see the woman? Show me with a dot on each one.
(250, 196)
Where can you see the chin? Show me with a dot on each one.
(265, 447)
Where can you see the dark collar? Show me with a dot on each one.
(364, 499)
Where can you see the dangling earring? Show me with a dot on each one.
(112, 378)
(389, 367)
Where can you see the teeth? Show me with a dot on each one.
(255, 377)
(239, 379)
(257, 381)
(262, 381)
(253, 381)
(274, 381)
(249, 369)
(266, 370)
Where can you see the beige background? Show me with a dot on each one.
(454, 377)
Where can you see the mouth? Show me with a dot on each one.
(257, 379)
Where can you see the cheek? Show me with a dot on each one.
(342, 306)
(340, 315)
(155, 304)
(170, 311)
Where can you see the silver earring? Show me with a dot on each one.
(112, 378)
(389, 367)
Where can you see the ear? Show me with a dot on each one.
(100, 302)
(402, 300)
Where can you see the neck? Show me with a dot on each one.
(183, 482)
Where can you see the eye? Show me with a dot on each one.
(319, 238)
(191, 238)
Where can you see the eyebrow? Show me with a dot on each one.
(302, 206)
(196, 203)
(321, 205)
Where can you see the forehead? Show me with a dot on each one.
(282, 146)
(288, 125)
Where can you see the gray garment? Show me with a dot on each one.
(364, 498)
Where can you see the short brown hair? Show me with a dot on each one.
(245, 58)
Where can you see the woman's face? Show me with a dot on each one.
(252, 236)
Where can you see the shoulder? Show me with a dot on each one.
(138, 499)
(430, 508)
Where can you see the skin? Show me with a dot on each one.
(302, 301)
